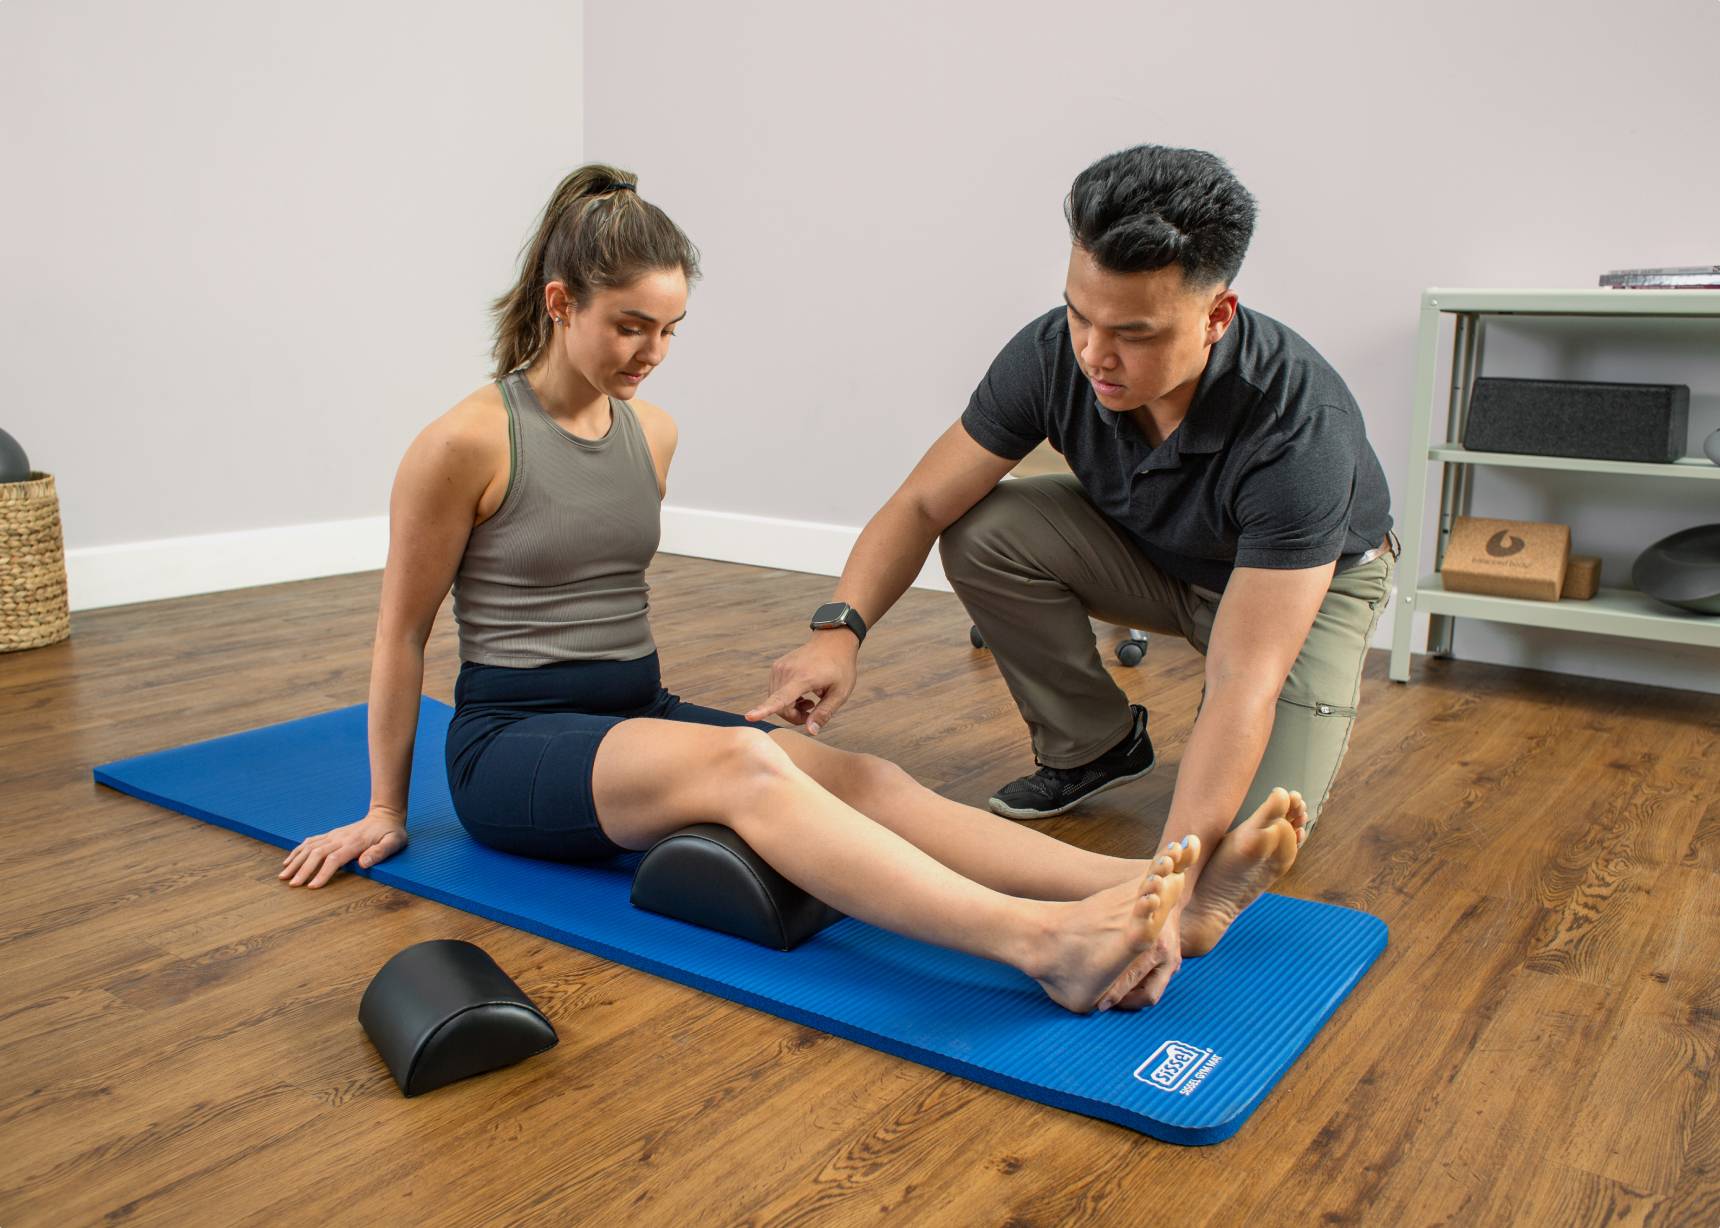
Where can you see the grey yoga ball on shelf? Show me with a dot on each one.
(14, 465)
(1711, 445)
(1683, 570)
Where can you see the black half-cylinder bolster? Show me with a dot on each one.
(442, 1010)
(709, 876)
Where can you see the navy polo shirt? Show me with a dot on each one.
(1270, 468)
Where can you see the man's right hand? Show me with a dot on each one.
(809, 684)
(379, 834)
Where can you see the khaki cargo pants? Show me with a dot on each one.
(1034, 559)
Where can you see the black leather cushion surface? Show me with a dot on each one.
(442, 1010)
(709, 876)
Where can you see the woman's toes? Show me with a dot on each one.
(1178, 856)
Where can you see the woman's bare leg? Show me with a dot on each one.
(998, 852)
(655, 777)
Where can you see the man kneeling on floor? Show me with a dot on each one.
(1223, 489)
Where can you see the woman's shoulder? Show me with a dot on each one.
(482, 410)
(466, 445)
(660, 430)
(474, 425)
(465, 450)
(653, 418)
(661, 436)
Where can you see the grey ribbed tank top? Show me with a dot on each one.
(558, 573)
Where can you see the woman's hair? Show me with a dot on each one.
(595, 232)
(1144, 208)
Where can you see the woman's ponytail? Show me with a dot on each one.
(595, 232)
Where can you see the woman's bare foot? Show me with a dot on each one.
(1090, 942)
(1125, 992)
(1251, 857)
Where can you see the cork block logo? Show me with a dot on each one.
(1502, 545)
(1177, 1067)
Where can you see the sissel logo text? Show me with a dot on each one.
(1176, 1067)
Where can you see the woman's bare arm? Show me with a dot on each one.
(452, 477)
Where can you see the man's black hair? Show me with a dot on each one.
(1144, 208)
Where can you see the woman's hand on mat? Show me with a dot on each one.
(379, 834)
(809, 684)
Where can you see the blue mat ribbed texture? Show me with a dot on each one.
(1188, 1071)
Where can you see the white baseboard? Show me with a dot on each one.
(766, 541)
(100, 576)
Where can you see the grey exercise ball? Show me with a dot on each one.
(1711, 445)
(1683, 570)
(14, 465)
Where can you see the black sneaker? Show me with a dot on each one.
(1051, 791)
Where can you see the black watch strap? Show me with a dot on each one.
(833, 614)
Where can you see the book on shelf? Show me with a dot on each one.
(1687, 277)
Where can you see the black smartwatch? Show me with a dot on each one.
(833, 614)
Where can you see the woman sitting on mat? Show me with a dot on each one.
(537, 499)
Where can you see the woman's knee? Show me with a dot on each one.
(869, 776)
(746, 761)
(652, 777)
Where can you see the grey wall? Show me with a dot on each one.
(248, 248)
(877, 191)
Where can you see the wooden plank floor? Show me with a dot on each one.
(178, 1041)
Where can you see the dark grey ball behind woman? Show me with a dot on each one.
(14, 465)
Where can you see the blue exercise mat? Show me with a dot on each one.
(1189, 1070)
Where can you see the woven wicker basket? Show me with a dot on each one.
(32, 565)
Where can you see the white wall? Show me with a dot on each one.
(248, 250)
(878, 191)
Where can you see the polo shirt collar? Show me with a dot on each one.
(1204, 428)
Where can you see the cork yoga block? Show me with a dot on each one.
(1582, 578)
(1506, 558)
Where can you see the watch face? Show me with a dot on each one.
(831, 614)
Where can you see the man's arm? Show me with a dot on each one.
(1263, 621)
(812, 682)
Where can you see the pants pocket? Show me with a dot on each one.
(1307, 745)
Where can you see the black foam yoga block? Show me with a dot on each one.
(1596, 421)
(709, 876)
(443, 1010)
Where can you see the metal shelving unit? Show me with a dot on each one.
(1612, 611)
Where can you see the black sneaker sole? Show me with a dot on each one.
(1010, 812)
